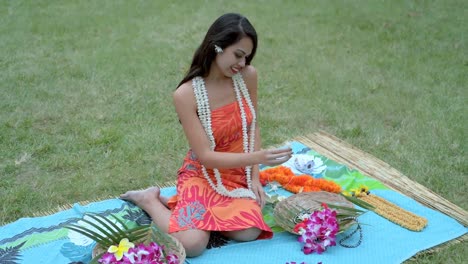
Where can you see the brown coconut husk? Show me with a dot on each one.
(286, 211)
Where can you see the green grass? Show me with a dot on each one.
(86, 109)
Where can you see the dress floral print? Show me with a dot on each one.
(197, 205)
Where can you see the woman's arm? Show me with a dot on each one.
(250, 77)
(251, 81)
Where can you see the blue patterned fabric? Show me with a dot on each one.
(45, 240)
(383, 241)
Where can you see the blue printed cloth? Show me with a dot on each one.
(383, 241)
(45, 240)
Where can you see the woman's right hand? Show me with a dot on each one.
(276, 156)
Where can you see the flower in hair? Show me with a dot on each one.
(218, 49)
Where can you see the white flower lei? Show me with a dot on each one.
(204, 114)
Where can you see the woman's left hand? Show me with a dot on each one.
(259, 192)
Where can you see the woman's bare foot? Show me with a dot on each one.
(142, 198)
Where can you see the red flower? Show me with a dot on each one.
(298, 227)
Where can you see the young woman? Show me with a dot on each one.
(218, 186)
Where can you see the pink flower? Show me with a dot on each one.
(172, 259)
(107, 258)
(320, 231)
(300, 228)
(142, 254)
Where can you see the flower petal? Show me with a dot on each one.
(112, 249)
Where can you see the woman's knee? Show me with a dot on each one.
(243, 235)
(194, 242)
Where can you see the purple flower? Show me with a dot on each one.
(107, 258)
(142, 254)
(172, 259)
(320, 231)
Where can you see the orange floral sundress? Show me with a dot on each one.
(197, 205)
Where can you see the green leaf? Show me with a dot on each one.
(116, 230)
(102, 240)
(344, 208)
(110, 233)
(136, 233)
(105, 232)
(359, 202)
(277, 229)
(125, 227)
(95, 260)
(341, 216)
(110, 227)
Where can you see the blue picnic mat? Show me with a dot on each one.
(383, 242)
(45, 240)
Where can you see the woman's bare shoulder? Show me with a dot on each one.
(249, 72)
(184, 93)
(250, 77)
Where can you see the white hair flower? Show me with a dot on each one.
(218, 49)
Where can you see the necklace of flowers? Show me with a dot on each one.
(318, 230)
(128, 252)
(304, 218)
(204, 114)
(296, 183)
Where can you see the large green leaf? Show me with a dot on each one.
(108, 233)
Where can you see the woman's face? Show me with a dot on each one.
(233, 58)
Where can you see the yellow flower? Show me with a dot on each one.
(356, 192)
(361, 191)
(364, 189)
(346, 193)
(123, 247)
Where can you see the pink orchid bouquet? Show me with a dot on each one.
(126, 252)
(318, 230)
(318, 217)
(117, 242)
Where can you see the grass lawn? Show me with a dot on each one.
(85, 86)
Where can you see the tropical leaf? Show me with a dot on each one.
(89, 233)
(10, 255)
(343, 227)
(120, 222)
(104, 230)
(277, 229)
(287, 213)
(95, 260)
(107, 233)
(344, 208)
(112, 227)
(359, 202)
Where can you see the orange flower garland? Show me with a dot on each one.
(297, 183)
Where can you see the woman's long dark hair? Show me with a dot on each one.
(225, 31)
